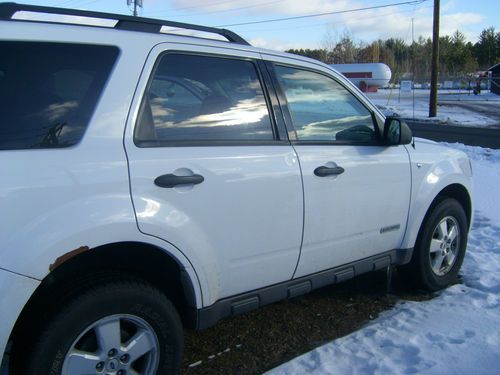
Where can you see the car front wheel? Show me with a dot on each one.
(440, 247)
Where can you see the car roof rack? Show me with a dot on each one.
(124, 22)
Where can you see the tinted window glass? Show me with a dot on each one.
(48, 91)
(323, 110)
(200, 98)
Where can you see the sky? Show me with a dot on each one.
(469, 17)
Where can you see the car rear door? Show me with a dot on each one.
(210, 171)
(357, 191)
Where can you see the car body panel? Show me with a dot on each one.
(360, 212)
(434, 167)
(254, 193)
(357, 214)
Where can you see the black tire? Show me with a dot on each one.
(133, 299)
(419, 271)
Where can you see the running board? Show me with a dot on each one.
(249, 301)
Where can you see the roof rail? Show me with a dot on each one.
(124, 22)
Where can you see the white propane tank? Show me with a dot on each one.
(366, 76)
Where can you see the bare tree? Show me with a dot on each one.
(341, 47)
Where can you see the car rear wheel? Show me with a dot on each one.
(118, 328)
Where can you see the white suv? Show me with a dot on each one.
(152, 181)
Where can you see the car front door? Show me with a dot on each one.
(356, 191)
(209, 171)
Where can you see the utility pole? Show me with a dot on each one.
(435, 61)
(136, 3)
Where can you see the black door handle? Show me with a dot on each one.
(324, 171)
(171, 180)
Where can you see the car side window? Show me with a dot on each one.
(49, 91)
(203, 98)
(322, 109)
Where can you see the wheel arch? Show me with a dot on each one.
(456, 191)
(111, 261)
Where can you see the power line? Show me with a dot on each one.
(70, 3)
(75, 3)
(87, 3)
(415, 2)
(230, 9)
(194, 6)
(330, 23)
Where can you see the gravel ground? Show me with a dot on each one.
(259, 341)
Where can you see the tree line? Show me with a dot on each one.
(458, 57)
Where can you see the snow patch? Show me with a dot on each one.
(417, 107)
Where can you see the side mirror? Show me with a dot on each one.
(396, 132)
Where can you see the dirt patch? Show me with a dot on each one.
(259, 341)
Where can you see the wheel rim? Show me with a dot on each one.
(114, 345)
(444, 246)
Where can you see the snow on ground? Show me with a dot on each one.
(458, 332)
(486, 171)
(416, 106)
(466, 96)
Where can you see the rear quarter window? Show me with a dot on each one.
(49, 91)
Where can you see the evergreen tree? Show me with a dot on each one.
(458, 58)
(486, 49)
